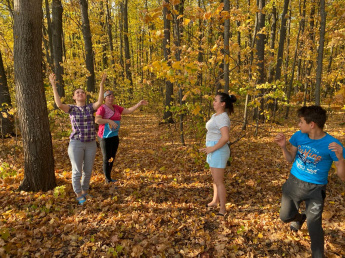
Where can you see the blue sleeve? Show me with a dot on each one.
(294, 138)
(332, 154)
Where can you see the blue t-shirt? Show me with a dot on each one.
(313, 158)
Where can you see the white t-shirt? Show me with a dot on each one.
(214, 124)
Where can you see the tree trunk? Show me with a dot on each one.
(127, 48)
(177, 40)
(226, 46)
(57, 45)
(88, 45)
(50, 54)
(30, 97)
(320, 53)
(260, 54)
(121, 40)
(238, 23)
(109, 21)
(281, 41)
(6, 120)
(289, 89)
(273, 40)
(169, 90)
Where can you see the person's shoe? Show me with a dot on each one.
(297, 225)
(81, 199)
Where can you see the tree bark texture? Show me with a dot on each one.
(6, 123)
(281, 41)
(226, 46)
(88, 45)
(50, 57)
(30, 97)
(169, 91)
(126, 45)
(320, 53)
(57, 35)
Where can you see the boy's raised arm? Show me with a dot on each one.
(340, 164)
(288, 155)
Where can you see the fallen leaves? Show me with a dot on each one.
(157, 205)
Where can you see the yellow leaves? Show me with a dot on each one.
(111, 160)
(186, 22)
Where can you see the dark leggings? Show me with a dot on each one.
(109, 148)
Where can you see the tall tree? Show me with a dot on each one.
(178, 31)
(169, 90)
(126, 45)
(281, 41)
(30, 97)
(260, 51)
(320, 53)
(57, 35)
(6, 123)
(226, 44)
(49, 45)
(88, 45)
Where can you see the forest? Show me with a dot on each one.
(274, 56)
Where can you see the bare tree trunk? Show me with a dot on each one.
(281, 41)
(238, 23)
(226, 45)
(127, 48)
(88, 45)
(289, 89)
(32, 105)
(273, 40)
(6, 123)
(50, 54)
(169, 90)
(320, 53)
(110, 39)
(260, 54)
(57, 35)
(177, 41)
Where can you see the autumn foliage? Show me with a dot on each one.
(157, 207)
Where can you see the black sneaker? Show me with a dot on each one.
(296, 225)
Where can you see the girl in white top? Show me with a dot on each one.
(217, 149)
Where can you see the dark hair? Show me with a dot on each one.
(228, 99)
(314, 114)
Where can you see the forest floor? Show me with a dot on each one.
(157, 206)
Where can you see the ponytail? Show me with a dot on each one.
(228, 99)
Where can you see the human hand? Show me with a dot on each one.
(280, 140)
(142, 102)
(337, 149)
(112, 125)
(104, 77)
(52, 79)
(206, 150)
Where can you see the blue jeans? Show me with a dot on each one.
(296, 191)
(82, 156)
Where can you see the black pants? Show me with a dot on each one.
(109, 148)
(296, 191)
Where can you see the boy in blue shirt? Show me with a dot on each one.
(312, 152)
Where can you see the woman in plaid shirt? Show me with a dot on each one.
(82, 147)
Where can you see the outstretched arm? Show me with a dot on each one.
(288, 155)
(131, 109)
(101, 93)
(340, 164)
(57, 99)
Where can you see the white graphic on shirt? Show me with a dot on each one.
(307, 158)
